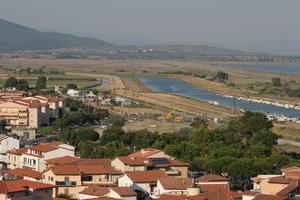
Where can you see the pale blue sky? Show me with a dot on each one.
(182, 21)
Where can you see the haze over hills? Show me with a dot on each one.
(18, 37)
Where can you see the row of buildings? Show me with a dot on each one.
(29, 112)
(54, 167)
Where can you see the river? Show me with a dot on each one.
(181, 88)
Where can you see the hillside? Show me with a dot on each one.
(17, 37)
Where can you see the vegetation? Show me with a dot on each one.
(12, 82)
(242, 150)
(41, 83)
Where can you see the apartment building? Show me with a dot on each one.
(6, 144)
(73, 177)
(25, 190)
(35, 157)
(30, 112)
(56, 105)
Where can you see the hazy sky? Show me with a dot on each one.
(183, 21)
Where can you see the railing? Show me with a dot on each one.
(65, 183)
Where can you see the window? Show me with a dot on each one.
(33, 162)
(67, 178)
(51, 178)
(66, 191)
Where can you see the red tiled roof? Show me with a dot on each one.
(62, 160)
(46, 146)
(268, 197)
(212, 187)
(146, 176)
(65, 170)
(133, 161)
(95, 191)
(21, 185)
(280, 180)
(285, 191)
(104, 198)
(211, 178)
(172, 197)
(171, 164)
(25, 172)
(83, 169)
(176, 183)
(220, 193)
(250, 193)
(124, 191)
(97, 169)
(18, 151)
(145, 152)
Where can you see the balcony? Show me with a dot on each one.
(65, 183)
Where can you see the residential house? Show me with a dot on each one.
(212, 179)
(34, 157)
(26, 174)
(73, 177)
(141, 180)
(170, 166)
(6, 144)
(25, 190)
(150, 153)
(285, 185)
(115, 192)
(14, 158)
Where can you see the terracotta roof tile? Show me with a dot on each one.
(124, 191)
(62, 160)
(95, 191)
(285, 191)
(145, 152)
(105, 198)
(220, 193)
(280, 180)
(18, 151)
(44, 147)
(83, 169)
(172, 197)
(133, 161)
(211, 178)
(176, 183)
(21, 185)
(25, 172)
(146, 176)
(268, 197)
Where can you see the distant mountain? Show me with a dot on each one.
(18, 37)
(278, 47)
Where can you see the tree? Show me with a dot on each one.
(276, 82)
(86, 134)
(11, 82)
(222, 75)
(2, 126)
(41, 83)
(250, 123)
(46, 130)
(86, 149)
(199, 122)
(71, 86)
(22, 85)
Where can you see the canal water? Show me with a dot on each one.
(181, 88)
